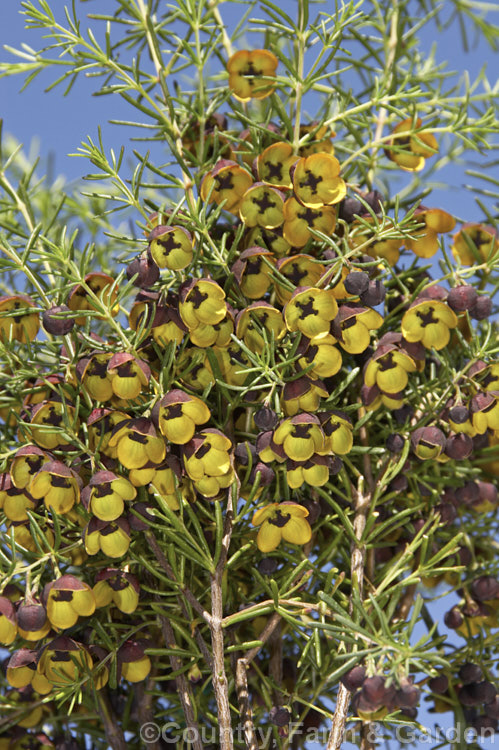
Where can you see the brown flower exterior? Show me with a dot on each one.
(22, 671)
(249, 71)
(388, 368)
(106, 494)
(133, 663)
(171, 247)
(321, 356)
(314, 472)
(280, 521)
(202, 302)
(47, 423)
(32, 621)
(112, 538)
(25, 464)
(226, 184)
(424, 242)
(162, 319)
(475, 244)
(8, 621)
(411, 145)
(208, 462)
(317, 181)
(300, 437)
(15, 502)
(19, 319)
(302, 394)
(64, 661)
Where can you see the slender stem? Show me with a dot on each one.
(182, 684)
(244, 705)
(220, 683)
(114, 734)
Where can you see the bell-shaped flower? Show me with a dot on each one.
(280, 521)
(262, 206)
(429, 321)
(300, 271)
(67, 599)
(110, 537)
(249, 71)
(475, 244)
(19, 319)
(128, 375)
(27, 461)
(171, 247)
(273, 165)
(485, 411)
(48, 421)
(15, 502)
(320, 357)
(428, 442)
(225, 185)
(316, 138)
(118, 587)
(208, 461)
(101, 423)
(411, 145)
(300, 437)
(302, 394)
(161, 318)
(316, 180)
(64, 661)
(388, 368)
(260, 325)
(8, 621)
(338, 430)
(22, 671)
(137, 443)
(133, 663)
(233, 364)
(311, 311)
(202, 301)
(32, 620)
(352, 327)
(424, 242)
(106, 494)
(98, 289)
(300, 219)
(314, 472)
(178, 415)
(58, 485)
(253, 272)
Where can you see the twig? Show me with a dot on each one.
(220, 683)
(114, 734)
(244, 705)
(264, 636)
(275, 664)
(143, 700)
(182, 684)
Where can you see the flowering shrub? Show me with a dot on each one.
(235, 470)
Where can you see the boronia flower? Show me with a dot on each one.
(274, 163)
(208, 461)
(300, 219)
(316, 180)
(66, 600)
(314, 472)
(424, 242)
(278, 521)
(248, 71)
(58, 485)
(429, 321)
(8, 621)
(137, 442)
(64, 661)
(352, 327)
(225, 185)
(106, 494)
(171, 247)
(300, 437)
(22, 671)
(178, 414)
(202, 301)
(262, 206)
(311, 311)
(96, 288)
(475, 244)
(110, 537)
(133, 663)
(410, 151)
(388, 368)
(119, 587)
(253, 271)
(18, 318)
(299, 270)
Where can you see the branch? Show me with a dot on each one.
(244, 705)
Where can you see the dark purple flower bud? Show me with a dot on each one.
(265, 418)
(373, 689)
(348, 208)
(482, 308)
(453, 619)
(356, 282)
(395, 442)
(462, 298)
(459, 414)
(145, 270)
(354, 678)
(279, 716)
(492, 708)
(374, 294)
(470, 672)
(467, 494)
(439, 684)
(267, 566)
(56, 321)
(459, 446)
(485, 588)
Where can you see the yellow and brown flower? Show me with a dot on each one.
(32, 620)
(302, 394)
(280, 521)
(137, 442)
(411, 145)
(300, 219)
(475, 244)
(97, 290)
(274, 164)
(133, 663)
(388, 368)
(225, 185)
(27, 461)
(58, 485)
(106, 494)
(429, 321)
(260, 325)
(48, 420)
(64, 661)
(249, 71)
(14, 501)
(317, 181)
(314, 472)
(310, 311)
(338, 430)
(118, 587)
(352, 327)
(485, 412)
(253, 271)
(110, 537)
(262, 206)
(178, 414)
(321, 356)
(171, 247)
(8, 621)
(300, 271)
(21, 671)
(202, 302)
(19, 319)
(300, 437)
(317, 138)
(67, 599)
(208, 461)
(424, 242)
(428, 442)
